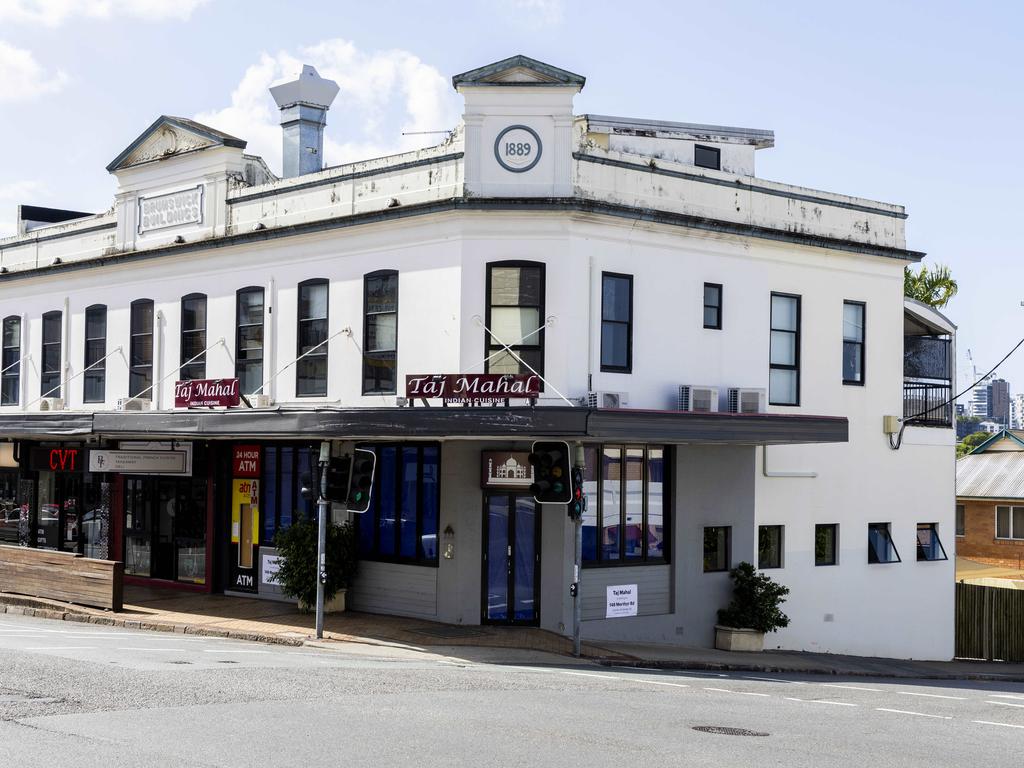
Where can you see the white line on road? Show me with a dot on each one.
(718, 690)
(587, 674)
(774, 680)
(918, 714)
(1005, 704)
(230, 650)
(61, 648)
(852, 687)
(661, 682)
(1006, 696)
(157, 650)
(931, 695)
(822, 701)
(1005, 725)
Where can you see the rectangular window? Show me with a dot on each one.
(929, 547)
(515, 314)
(311, 370)
(784, 358)
(193, 337)
(713, 306)
(140, 380)
(286, 468)
(826, 544)
(624, 523)
(716, 548)
(95, 377)
(10, 361)
(960, 520)
(380, 333)
(707, 157)
(881, 548)
(249, 340)
(853, 342)
(616, 322)
(401, 522)
(769, 546)
(1010, 522)
(49, 384)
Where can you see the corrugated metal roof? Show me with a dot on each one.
(998, 475)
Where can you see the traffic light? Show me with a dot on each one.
(338, 470)
(578, 504)
(364, 462)
(551, 473)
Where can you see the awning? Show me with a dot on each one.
(59, 424)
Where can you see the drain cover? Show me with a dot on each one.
(727, 731)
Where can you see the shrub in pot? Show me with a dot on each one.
(297, 572)
(754, 610)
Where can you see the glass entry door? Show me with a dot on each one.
(511, 556)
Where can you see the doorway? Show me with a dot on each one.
(511, 560)
(165, 522)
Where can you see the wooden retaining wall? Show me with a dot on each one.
(62, 576)
(989, 623)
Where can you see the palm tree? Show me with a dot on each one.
(934, 287)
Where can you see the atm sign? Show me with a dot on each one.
(246, 461)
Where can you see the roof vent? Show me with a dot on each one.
(304, 103)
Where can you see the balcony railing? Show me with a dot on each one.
(926, 404)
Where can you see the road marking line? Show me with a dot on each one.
(660, 682)
(702, 674)
(158, 650)
(774, 680)
(918, 714)
(749, 693)
(931, 695)
(719, 690)
(61, 648)
(229, 650)
(1005, 704)
(1005, 725)
(1006, 696)
(822, 701)
(852, 687)
(587, 674)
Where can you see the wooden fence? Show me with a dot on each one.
(989, 623)
(62, 576)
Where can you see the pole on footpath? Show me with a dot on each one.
(323, 509)
(577, 548)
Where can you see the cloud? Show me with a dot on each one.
(52, 13)
(11, 195)
(383, 93)
(22, 78)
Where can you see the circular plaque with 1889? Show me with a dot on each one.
(517, 148)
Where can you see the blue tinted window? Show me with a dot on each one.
(431, 498)
(410, 484)
(288, 490)
(269, 494)
(387, 469)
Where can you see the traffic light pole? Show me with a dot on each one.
(323, 508)
(577, 548)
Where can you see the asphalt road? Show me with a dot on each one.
(86, 695)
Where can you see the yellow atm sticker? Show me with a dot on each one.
(245, 512)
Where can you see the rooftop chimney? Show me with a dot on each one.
(304, 104)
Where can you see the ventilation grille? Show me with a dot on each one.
(607, 399)
(745, 400)
(697, 399)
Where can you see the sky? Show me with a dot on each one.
(905, 102)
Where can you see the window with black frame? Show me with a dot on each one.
(10, 361)
(784, 358)
(94, 379)
(961, 521)
(380, 332)
(713, 306)
(281, 504)
(401, 522)
(707, 157)
(49, 380)
(627, 505)
(826, 544)
(515, 314)
(140, 376)
(881, 548)
(853, 342)
(769, 546)
(717, 546)
(311, 369)
(193, 337)
(249, 339)
(929, 546)
(616, 323)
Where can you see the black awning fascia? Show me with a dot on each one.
(45, 425)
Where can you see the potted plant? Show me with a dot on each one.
(297, 573)
(754, 610)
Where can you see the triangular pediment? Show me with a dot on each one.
(519, 71)
(169, 137)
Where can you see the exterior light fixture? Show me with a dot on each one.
(449, 543)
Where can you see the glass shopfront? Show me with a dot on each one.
(165, 528)
(10, 509)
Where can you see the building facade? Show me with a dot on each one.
(723, 349)
(990, 501)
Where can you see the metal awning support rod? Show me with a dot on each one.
(505, 348)
(19, 361)
(175, 370)
(69, 378)
(476, 318)
(309, 351)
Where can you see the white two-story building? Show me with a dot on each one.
(725, 348)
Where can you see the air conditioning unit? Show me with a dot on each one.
(51, 404)
(698, 399)
(261, 401)
(133, 404)
(607, 399)
(745, 400)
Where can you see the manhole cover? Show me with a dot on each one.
(727, 731)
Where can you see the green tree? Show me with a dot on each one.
(970, 442)
(934, 287)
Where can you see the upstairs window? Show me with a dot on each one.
(826, 544)
(140, 377)
(616, 323)
(713, 306)
(10, 361)
(769, 546)
(193, 337)
(853, 342)
(1010, 522)
(707, 157)
(311, 370)
(929, 547)
(784, 357)
(881, 548)
(515, 312)
(716, 548)
(380, 332)
(94, 380)
(49, 382)
(249, 339)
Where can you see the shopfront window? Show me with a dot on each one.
(10, 510)
(285, 467)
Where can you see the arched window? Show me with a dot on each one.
(49, 380)
(193, 337)
(10, 361)
(249, 339)
(95, 376)
(380, 332)
(311, 370)
(140, 379)
(515, 314)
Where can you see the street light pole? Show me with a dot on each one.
(323, 507)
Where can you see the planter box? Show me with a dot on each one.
(733, 639)
(337, 605)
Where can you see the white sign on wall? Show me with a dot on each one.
(271, 565)
(136, 462)
(171, 210)
(622, 601)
